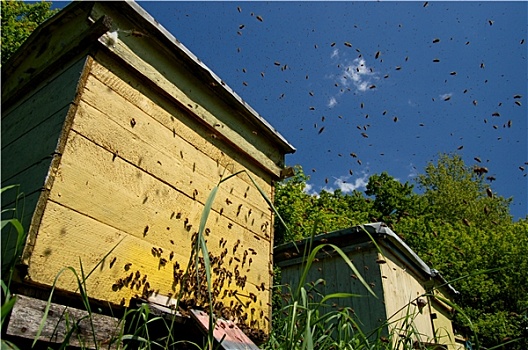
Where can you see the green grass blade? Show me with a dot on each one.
(6, 309)
(339, 296)
(311, 258)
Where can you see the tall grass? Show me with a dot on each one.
(304, 320)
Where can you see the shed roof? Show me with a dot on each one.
(361, 234)
(134, 11)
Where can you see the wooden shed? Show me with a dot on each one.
(406, 288)
(117, 134)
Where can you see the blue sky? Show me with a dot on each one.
(417, 80)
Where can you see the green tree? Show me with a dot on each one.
(327, 211)
(19, 19)
(392, 199)
(455, 222)
(464, 229)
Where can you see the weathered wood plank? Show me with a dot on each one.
(117, 199)
(42, 104)
(401, 288)
(28, 313)
(26, 164)
(50, 47)
(154, 149)
(123, 196)
(176, 120)
(238, 138)
(67, 238)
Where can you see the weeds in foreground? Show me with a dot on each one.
(301, 322)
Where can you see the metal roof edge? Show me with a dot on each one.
(287, 147)
(375, 230)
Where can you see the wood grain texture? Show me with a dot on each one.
(67, 239)
(158, 151)
(179, 121)
(101, 201)
(237, 131)
(402, 288)
(335, 276)
(38, 120)
(28, 313)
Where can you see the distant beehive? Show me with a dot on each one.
(408, 291)
(117, 134)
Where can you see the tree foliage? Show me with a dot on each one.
(454, 222)
(19, 19)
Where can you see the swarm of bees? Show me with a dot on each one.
(229, 281)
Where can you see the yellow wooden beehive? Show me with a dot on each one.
(117, 134)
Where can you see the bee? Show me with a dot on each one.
(145, 230)
(138, 274)
(171, 256)
(114, 155)
(347, 44)
(132, 122)
(112, 262)
(489, 192)
(127, 266)
(154, 251)
(436, 41)
(228, 201)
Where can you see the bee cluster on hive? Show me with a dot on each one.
(229, 296)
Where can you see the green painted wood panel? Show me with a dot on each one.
(369, 310)
(30, 135)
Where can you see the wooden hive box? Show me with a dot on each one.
(398, 277)
(117, 135)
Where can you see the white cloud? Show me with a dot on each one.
(308, 189)
(355, 74)
(359, 183)
(343, 183)
(359, 74)
(413, 172)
